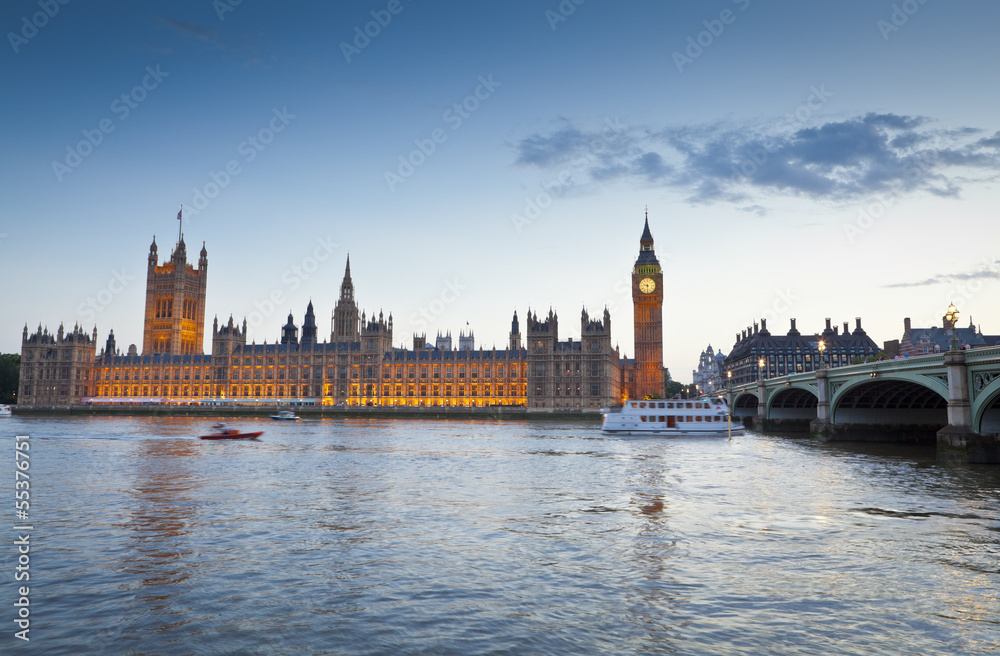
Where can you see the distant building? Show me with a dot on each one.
(793, 352)
(710, 374)
(924, 341)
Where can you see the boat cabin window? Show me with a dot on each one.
(670, 406)
(659, 405)
(642, 405)
(689, 405)
(662, 419)
(697, 418)
(632, 404)
(642, 417)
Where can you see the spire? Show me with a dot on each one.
(646, 234)
(646, 262)
(347, 286)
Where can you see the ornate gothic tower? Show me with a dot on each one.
(647, 305)
(345, 314)
(515, 334)
(309, 327)
(174, 323)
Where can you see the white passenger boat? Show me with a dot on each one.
(5, 411)
(705, 417)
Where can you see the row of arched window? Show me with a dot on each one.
(163, 307)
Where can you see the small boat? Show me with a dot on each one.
(705, 417)
(287, 415)
(232, 434)
(5, 411)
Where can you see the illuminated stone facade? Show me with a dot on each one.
(647, 305)
(175, 303)
(356, 366)
(56, 370)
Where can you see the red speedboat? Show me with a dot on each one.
(232, 434)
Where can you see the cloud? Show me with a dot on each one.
(191, 30)
(241, 47)
(759, 210)
(726, 162)
(982, 274)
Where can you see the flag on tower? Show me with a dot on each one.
(179, 214)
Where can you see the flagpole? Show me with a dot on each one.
(180, 224)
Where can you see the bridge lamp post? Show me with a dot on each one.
(729, 376)
(822, 359)
(760, 369)
(952, 318)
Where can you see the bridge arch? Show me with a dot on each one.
(893, 399)
(793, 402)
(986, 409)
(745, 405)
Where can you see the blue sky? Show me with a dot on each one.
(798, 159)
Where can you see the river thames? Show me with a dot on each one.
(481, 537)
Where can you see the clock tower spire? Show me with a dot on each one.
(647, 308)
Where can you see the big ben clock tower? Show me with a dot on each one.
(647, 305)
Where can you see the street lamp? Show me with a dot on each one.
(760, 369)
(729, 375)
(952, 318)
(822, 361)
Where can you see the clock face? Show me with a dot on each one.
(646, 285)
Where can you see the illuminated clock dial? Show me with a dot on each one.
(646, 285)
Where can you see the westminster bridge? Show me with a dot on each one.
(951, 397)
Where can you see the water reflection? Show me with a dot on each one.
(163, 509)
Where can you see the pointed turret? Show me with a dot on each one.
(515, 334)
(345, 314)
(647, 256)
(647, 236)
(309, 326)
(180, 252)
(289, 333)
(152, 253)
(109, 346)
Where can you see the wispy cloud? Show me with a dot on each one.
(191, 30)
(983, 274)
(243, 47)
(724, 162)
(759, 210)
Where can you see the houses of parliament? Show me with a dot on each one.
(356, 366)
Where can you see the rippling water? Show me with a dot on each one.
(466, 537)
